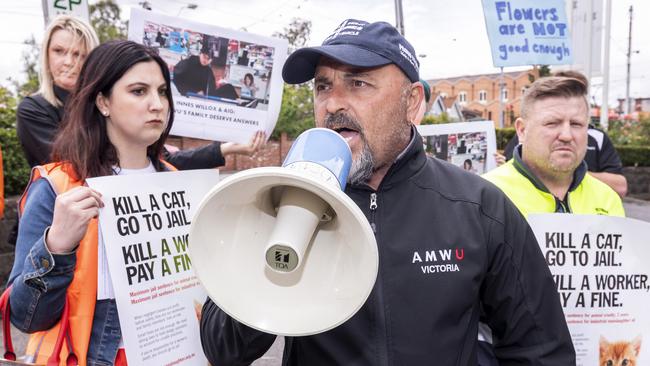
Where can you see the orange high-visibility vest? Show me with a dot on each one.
(82, 292)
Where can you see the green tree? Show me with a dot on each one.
(105, 18)
(435, 120)
(297, 33)
(16, 169)
(544, 70)
(297, 110)
(30, 58)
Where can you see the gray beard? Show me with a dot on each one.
(362, 167)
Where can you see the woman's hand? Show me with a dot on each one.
(73, 210)
(257, 141)
(499, 158)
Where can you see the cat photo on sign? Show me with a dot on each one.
(621, 353)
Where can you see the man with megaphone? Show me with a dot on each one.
(451, 245)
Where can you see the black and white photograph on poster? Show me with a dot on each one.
(469, 145)
(226, 84)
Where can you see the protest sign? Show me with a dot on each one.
(468, 145)
(145, 227)
(528, 32)
(600, 267)
(53, 8)
(226, 84)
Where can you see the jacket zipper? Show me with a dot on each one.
(381, 311)
(373, 207)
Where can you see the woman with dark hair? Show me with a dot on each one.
(66, 43)
(117, 121)
(467, 165)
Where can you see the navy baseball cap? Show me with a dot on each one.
(355, 43)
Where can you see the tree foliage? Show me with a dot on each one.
(435, 120)
(297, 33)
(16, 169)
(105, 18)
(29, 58)
(297, 111)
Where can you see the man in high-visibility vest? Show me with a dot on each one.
(547, 172)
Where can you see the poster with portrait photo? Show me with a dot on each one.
(468, 145)
(226, 84)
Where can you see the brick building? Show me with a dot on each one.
(478, 94)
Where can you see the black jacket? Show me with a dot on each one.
(38, 122)
(191, 76)
(425, 306)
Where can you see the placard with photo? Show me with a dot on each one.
(226, 84)
(468, 145)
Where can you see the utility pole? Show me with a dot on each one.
(604, 107)
(399, 17)
(628, 101)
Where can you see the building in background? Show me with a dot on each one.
(477, 96)
(440, 104)
(640, 107)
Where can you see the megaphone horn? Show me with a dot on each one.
(284, 250)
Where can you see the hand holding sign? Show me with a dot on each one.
(73, 210)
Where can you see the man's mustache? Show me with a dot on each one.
(341, 120)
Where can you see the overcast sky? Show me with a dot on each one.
(450, 33)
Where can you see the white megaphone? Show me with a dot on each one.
(284, 250)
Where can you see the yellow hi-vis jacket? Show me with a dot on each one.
(587, 195)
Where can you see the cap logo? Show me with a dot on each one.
(347, 28)
(408, 56)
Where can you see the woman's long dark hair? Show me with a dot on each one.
(83, 141)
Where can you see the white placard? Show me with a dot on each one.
(216, 104)
(600, 267)
(145, 225)
(77, 8)
(468, 145)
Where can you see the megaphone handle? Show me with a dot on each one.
(298, 216)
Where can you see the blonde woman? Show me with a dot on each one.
(66, 43)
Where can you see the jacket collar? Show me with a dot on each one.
(409, 161)
(578, 174)
(61, 94)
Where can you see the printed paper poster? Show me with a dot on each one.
(468, 145)
(600, 267)
(145, 226)
(226, 84)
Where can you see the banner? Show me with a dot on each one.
(600, 267)
(468, 145)
(528, 32)
(145, 226)
(226, 84)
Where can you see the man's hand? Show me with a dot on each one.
(73, 210)
(257, 141)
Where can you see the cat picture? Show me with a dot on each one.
(621, 353)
